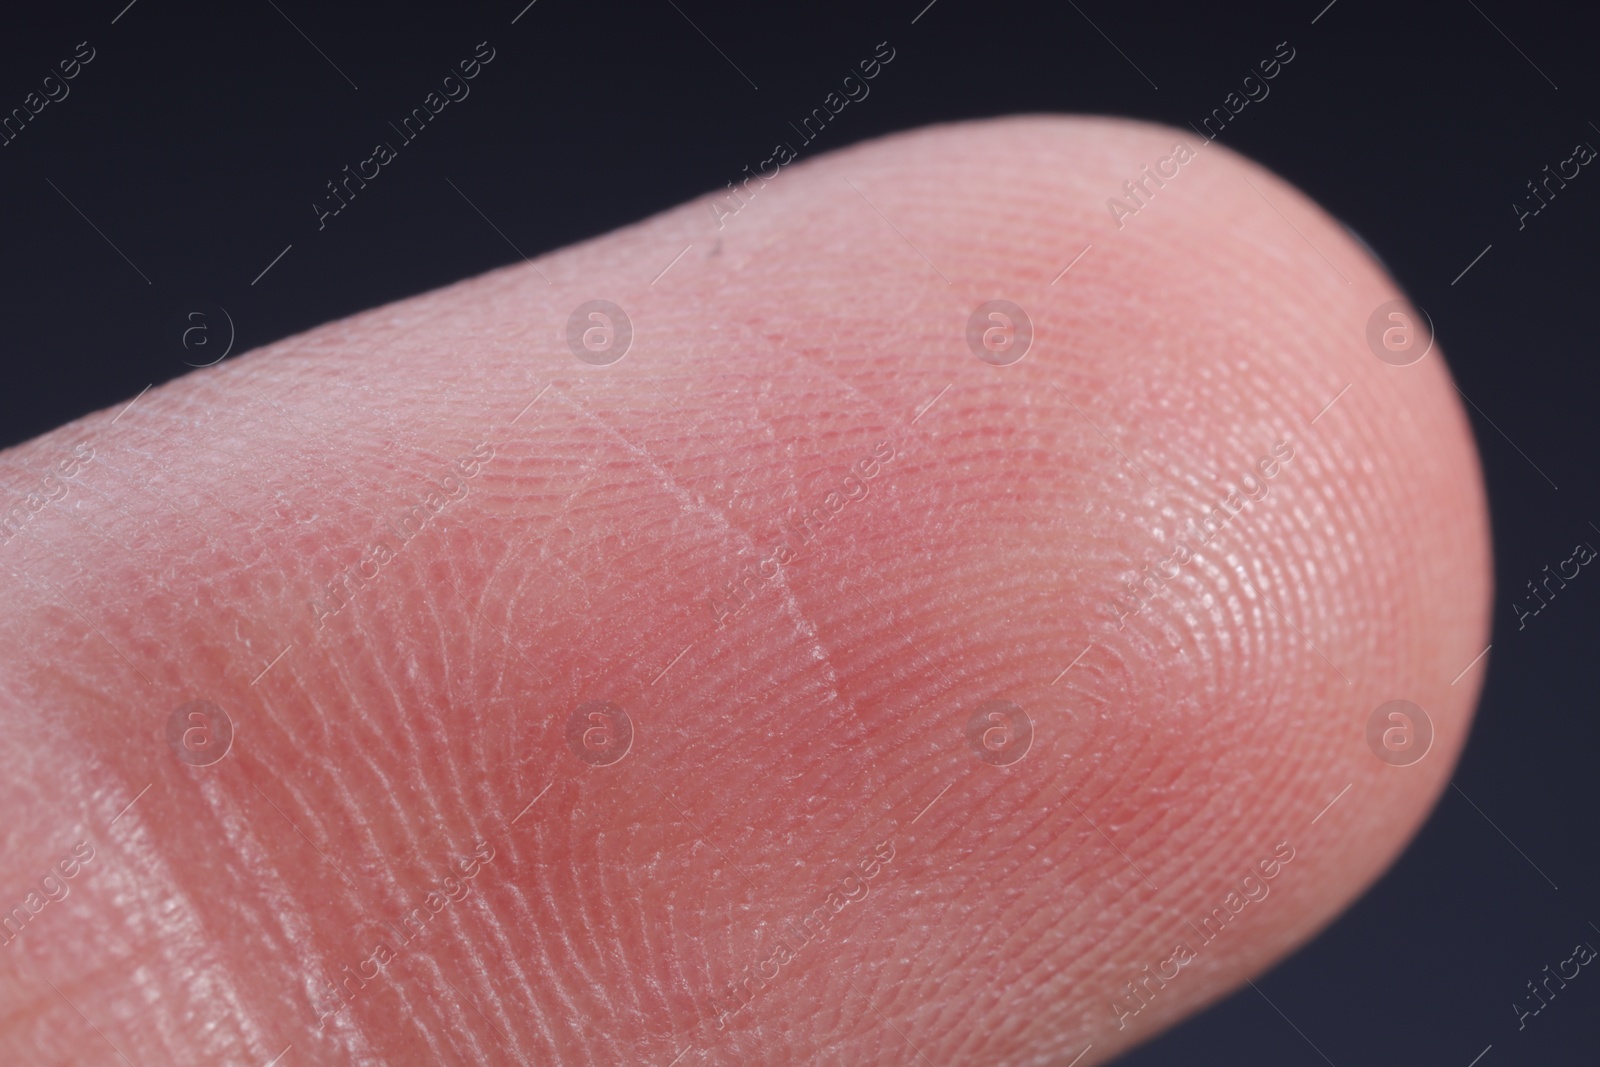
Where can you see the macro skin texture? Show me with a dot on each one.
(799, 534)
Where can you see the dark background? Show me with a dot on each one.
(198, 137)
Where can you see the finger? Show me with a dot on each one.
(816, 682)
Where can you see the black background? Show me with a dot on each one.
(199, 136)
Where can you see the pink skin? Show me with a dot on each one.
(813, 742)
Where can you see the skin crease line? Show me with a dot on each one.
(836, 674)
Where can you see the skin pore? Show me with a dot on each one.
(724, 728)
